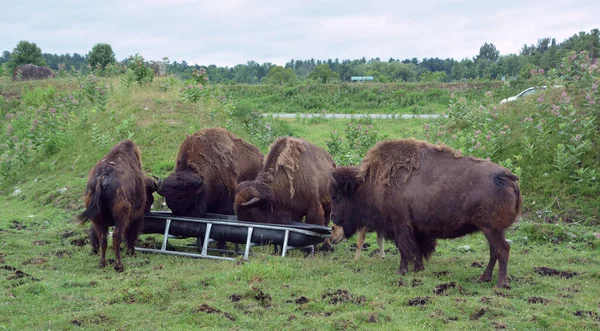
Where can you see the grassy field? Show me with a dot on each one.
(49, 279)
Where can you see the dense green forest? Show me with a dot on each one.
(545, 54)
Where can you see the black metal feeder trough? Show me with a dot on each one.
(215, 227)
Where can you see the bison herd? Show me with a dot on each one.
(408, 191)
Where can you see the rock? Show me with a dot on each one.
(160, 68)
(597, 235)
(16, 192)
(464, 248)
(62, 190)
(31, 72)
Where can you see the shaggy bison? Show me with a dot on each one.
(209, 166)
(415, 192)
(293, 183)
(117, 195)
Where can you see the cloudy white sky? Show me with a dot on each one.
(228, 32)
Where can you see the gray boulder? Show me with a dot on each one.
(160, 68)
(31, 71)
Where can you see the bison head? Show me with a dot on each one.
(254, 202)
(345, 210)
(184, 193)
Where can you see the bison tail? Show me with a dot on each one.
(93, 202)
(507, 179)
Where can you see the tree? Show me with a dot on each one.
(101, 55)
(279, 76)
(488, 52)
(324, 74)
(26, 53)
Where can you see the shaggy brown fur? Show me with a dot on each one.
(117, 195)
(292, 184)
(415, 192)
(209, 166)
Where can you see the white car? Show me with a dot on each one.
(529, 91)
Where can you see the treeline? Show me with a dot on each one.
(546, 54)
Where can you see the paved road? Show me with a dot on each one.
(382, 116)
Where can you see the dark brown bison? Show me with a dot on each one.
(337, 235)
(209, 166)
(117, 195)
(415, 192)
(293, 183)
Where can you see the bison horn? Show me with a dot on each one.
(333, 181)
(251, 202)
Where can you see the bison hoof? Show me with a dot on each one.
(118, 267)
(418, 268)
(503, 284)
(401, 272)
(131, 252)
(485, 278)
(102, 263)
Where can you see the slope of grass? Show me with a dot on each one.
(49, 279)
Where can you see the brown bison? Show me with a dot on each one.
(337, 235)
(117, 195)
(293, 183)
(209, 166)
(415, 192)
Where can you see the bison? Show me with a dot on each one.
(293, 183)
(415, 192)
(116, 195)
(209, 166)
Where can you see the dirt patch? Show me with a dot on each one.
(79, 242)
(36, 260)
(486, 300)
(538, 300)
(309, 313)
(477, 264)
(589, 314)
(442, 288)
(545, 271)
(67, 234)
(343, 296)
(419, 301)
(292, 317)
(302, 300)
(464, 292)
(478, 313)
(439, 274)
(376, 252)
(235, 297)
(400, 283)
(76, 322)
(40, 242)
(264, 299)
(502, 294)
(373, 318)
(62, 253)
(17, 274)
(499, 325)
(204, 308)
(416, 282)
(18, 226)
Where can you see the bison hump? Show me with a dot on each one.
(391, 161)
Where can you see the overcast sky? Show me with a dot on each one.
(228, 32)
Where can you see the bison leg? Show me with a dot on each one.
(408, 247)
(100, 233)
(117, 235)
(316, 215)
(359, 242)
(499, 250)
(380, 243)
(94, 241)
(131, 235)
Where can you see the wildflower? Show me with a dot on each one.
(594, 86)
(9, 129)
(452, 95)
(541, 71)
(9, 116)
(478, 145)
(483, 148)
(439, 133)
(454, 137)
(52, 111)
(502, 133)
(478, 132)
(472, 140)
(506, 127)
(489, 94)
(425, 126)
(488, 137)
(540, 99)
(555, 110)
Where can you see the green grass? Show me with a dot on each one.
(49, 281)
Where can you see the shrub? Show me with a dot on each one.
(359, 137)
